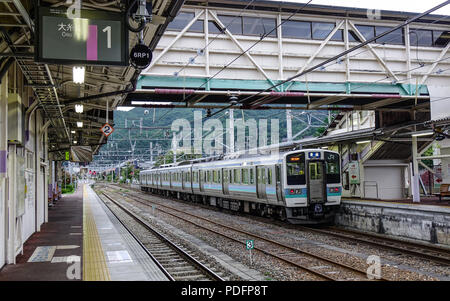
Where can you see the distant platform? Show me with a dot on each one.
(83, 240)
(424, 200)
(427, 221)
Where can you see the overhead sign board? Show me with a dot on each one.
(95, 38)
(353, 172)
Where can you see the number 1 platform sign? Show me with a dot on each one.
(91, 38)
(107, 130)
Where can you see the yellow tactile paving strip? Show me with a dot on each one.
(94, 261)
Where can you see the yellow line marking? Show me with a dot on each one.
(94, 261)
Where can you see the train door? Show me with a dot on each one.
(261, 182)
(225, 181)
(183, 176)
(278, 183)
(316, 181)
(201, 180)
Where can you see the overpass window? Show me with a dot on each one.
(419, 37)
(232, 23)
(320, 31)
(338, 36)
(183, 19)
(296, 29)
(368, 32)
(440, 38)
(395, 37)
(213, 27)
(259, 26)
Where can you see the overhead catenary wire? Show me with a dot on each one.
(334, 58)
(249, 48)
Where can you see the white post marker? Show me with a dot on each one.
(250, 244)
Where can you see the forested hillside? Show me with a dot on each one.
(135, 129)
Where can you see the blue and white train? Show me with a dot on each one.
(302, 187)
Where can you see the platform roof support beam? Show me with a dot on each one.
(415, 172)
(380, 60)
(179, 35)
(440, 57)
(318, 50)
(247, 54)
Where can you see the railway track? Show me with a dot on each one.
(431, 253)
(315, 264)
(176, 263)
(435, 254)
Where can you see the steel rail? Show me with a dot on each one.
(172, 245)
(351, 236)
(437, 259)
(290, 248)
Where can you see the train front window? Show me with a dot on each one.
(332, 167)
(295, 169)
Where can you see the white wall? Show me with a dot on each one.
(388, 179)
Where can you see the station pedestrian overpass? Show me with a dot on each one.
(218, 54)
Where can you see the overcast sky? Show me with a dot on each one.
(397, 5)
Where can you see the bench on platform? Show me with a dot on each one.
(443, 191)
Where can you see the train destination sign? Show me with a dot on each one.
(95, 38)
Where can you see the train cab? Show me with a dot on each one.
(312, 184)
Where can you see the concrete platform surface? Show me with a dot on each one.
(83, 240)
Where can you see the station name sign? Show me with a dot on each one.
(93, 38)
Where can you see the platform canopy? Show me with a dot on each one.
(52, 83)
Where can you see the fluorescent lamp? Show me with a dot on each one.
(124, 109)
(78, 75)
(79, 108)
(142, 103)
(363, 142)
(75, 142)
(79, 124)
(73, 132)
(324, 147)
(422, 134)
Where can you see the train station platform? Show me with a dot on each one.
(427, 221)
(83, 240)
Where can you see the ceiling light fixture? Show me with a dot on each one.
(78, 75)
(79, 108)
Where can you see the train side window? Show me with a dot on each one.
(215, 176)
(237, 177)
(269, 176)
(245, 176)
(252, 176)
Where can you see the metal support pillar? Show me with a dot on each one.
(288, 123)
(231, 130)
(415, 172)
